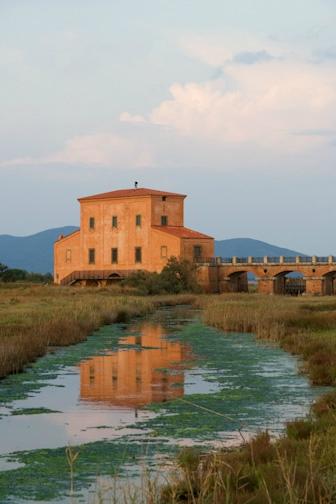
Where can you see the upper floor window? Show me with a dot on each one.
(197, 251)
(92, 256)
(164, 198)
(138, 255)
(164, 220)
(114, 221)
(138, 220)
(114, 256)
(164, 251)
(92, 223)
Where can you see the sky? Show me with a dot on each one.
(232, 102)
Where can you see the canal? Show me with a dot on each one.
(131, 396)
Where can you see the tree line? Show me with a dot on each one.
(19, 275)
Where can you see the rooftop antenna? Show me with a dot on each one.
(136, 185)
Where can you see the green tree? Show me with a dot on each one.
(3, 268)
(13, 275)
(179, 275)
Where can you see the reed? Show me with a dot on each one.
(302, 326)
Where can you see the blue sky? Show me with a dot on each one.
(231, 102)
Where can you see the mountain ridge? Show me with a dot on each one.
(35, 252)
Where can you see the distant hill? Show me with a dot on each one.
(32, 253)
(35, 253)
(244, 247)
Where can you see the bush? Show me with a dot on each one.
(176, 277)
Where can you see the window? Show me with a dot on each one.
(197, 251)
(68, 256)
(92, 256)
(164, 198)
(138, 255)
(164, 251)
(114, 221)
(114, 376)
(114, 256)
(164, 220)
(91, 374)
(91, 222)
(138, 220)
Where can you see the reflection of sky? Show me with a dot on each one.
(77, 422)
(196, 382)
(262, 385)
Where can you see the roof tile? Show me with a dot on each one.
(129, 193)
(182, 232)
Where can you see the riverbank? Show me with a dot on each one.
(298, 468)
(34, 318)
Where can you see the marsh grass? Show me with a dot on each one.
(306, 327)
(299, 468)
(33, 319)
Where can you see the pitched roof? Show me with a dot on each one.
(63, 237)
(129, 193)
(182, 232)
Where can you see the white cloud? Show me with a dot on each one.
(100, 149)
(133, 119)
(264, 104)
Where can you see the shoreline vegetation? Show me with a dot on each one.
(35, 318)
(297, 469)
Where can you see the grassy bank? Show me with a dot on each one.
(34, 318)
(300, 467)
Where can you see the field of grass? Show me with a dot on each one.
(300, 467)
(34, 318)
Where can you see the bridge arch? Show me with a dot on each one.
(289, 282)
(242, 281)
(329, 283)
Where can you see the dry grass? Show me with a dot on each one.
(300, 467)
(303, 326)
(34, 318)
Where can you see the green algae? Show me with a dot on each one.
(33, 411)
(255, 383)
(45, 475)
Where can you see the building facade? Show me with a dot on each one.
(124, 231)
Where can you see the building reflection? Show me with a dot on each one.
(133, 377)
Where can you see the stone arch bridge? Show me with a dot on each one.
(316, 275)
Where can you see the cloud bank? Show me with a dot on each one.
(262, 98)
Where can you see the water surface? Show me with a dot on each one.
(135, 392)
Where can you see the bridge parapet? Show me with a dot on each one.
(267, 260)
(272, 274)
